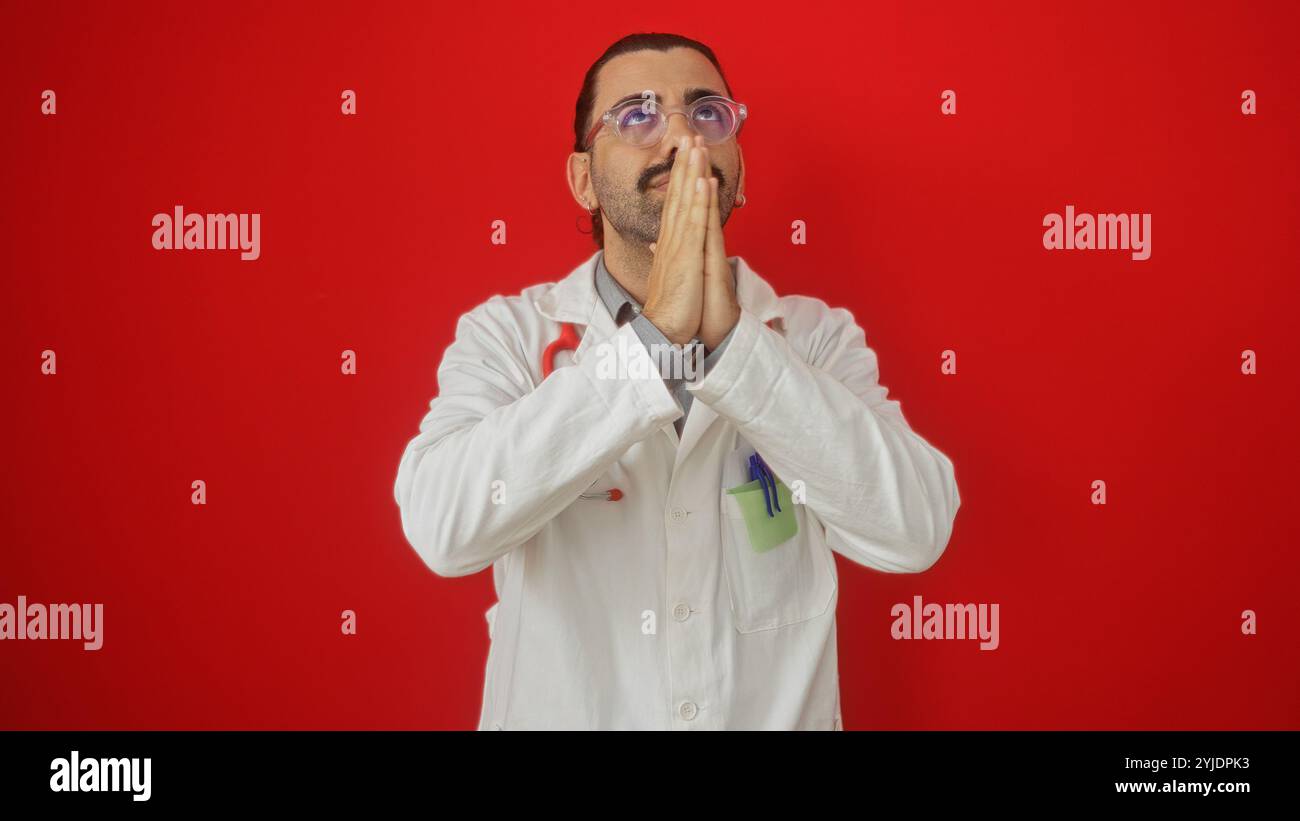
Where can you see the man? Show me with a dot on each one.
(634, 590)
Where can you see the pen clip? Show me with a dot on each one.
(758, 469)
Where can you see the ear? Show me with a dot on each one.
(578, 172)
(740, 181)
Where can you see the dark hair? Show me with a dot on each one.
(587, 96)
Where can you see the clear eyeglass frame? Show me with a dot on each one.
(611, 119)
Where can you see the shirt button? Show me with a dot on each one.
(678, 514)
(688, 710)
(681, 612)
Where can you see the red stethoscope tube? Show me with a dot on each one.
(567, 341)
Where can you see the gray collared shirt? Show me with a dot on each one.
(623, 307)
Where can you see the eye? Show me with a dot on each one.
(634, 116)
(709, 112)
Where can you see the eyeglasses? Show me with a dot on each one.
(643, 122)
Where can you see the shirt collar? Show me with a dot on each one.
(622, 306)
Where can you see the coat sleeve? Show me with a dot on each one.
(496, 459)
(886, 497)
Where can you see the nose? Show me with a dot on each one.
(677, 128)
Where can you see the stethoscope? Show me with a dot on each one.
(568, 341)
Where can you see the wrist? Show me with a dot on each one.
(713, 336)
(672, 334)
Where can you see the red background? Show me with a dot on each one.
(175, 366)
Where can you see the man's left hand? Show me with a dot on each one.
(721, 308)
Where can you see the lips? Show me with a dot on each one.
(660, 182)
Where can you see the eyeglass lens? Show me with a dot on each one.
(640, 124)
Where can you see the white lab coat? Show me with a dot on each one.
(653, 612)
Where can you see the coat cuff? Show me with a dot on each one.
(711, 358)
(623, 362)
(739, 365)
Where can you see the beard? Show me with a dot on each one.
(633, 211)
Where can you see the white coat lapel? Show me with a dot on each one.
(575, 299)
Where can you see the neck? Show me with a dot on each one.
(629, 264)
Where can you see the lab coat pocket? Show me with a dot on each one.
(773, 579)
(769, 520)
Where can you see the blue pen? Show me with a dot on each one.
(756, 474)
(771, 481)
(758, 470)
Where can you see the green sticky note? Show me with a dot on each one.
(766, 532)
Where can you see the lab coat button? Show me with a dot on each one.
(688, 710)
(678, 514)
(681, 611)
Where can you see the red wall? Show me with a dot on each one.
(1073, 366)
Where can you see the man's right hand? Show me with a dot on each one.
(675, 290)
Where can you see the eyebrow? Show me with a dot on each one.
(692, 94)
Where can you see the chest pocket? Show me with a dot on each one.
(779, 586)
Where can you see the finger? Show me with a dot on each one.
(693, 166)
(706, 173)
(697, 218)
(715, 211)
(714, 250)
(690, 251)
(676, 175)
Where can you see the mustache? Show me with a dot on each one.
(643, 183)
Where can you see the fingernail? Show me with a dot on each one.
(699, 183)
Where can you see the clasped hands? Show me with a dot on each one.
(690, 292)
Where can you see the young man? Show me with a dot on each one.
(634, 591)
